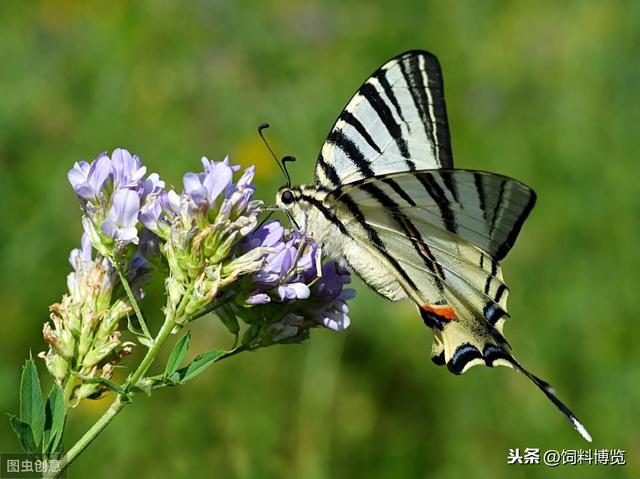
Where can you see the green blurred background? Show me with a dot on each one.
(542, 91)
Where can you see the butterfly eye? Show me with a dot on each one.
(287, 197)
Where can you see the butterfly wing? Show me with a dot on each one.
(441, 234)
(396, 121)
(445, 229)
(435, 236)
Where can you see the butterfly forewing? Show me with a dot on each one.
(397, 121)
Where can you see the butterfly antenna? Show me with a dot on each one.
(286, 159)
(264, 126)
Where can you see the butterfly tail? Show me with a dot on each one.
(462, 343)
(548, 390)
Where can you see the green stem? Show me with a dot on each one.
(162, 336)
(132, 300)
(89, 436)
(120, 400)
(118, 404)
(68, 389)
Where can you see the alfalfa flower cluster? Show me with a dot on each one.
(267, 283)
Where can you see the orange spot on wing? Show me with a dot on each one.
(445, 312)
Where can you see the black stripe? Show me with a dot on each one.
(416, 72)
(411, 73)
(464, 354)
(501, 289)
(477, 181)
(450, 184)
(396, 187)
(481, 260)
(375, 238)
(437, 194)
(339, 139)
(504, 248)
(436, 88)
(348, 118)
(329, 171)
(494, 271)
(438, 359)
(491, 353)
(382, 78)
(494, 266)
(487, 284)
(432, 320)
(497, 208)
(328, 214)
(492, 312)
(370, 93)
(405, 223)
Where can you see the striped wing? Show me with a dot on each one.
(396, 121)
(442, 233)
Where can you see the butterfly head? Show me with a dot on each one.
(288, 197)
(290, 200)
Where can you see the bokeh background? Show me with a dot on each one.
(546, 92)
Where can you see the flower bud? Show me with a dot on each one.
(83, 336)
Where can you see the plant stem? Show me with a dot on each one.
(162, 336)
(120, 400)
(89, 436)
(132, 300)
(68, 389)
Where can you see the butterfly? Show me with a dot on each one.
(388, 203)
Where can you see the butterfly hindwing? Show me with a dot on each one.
(442, 248)
(443, 232)
(397, 121)
(439, 233)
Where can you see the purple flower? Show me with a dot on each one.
(111, 191)
(203, 189)
(268, 235)
(329, 297)
(152, 185)
(127, 169)
(208, 165)
(159, 210)
(287, 270)
(88, 180)
(122, 217)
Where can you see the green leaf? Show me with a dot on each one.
(199, 364)
(178, 353)
(55, 413)
(142, 337)
(31, 404)
(24, 433)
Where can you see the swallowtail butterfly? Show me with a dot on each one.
(388, 203)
